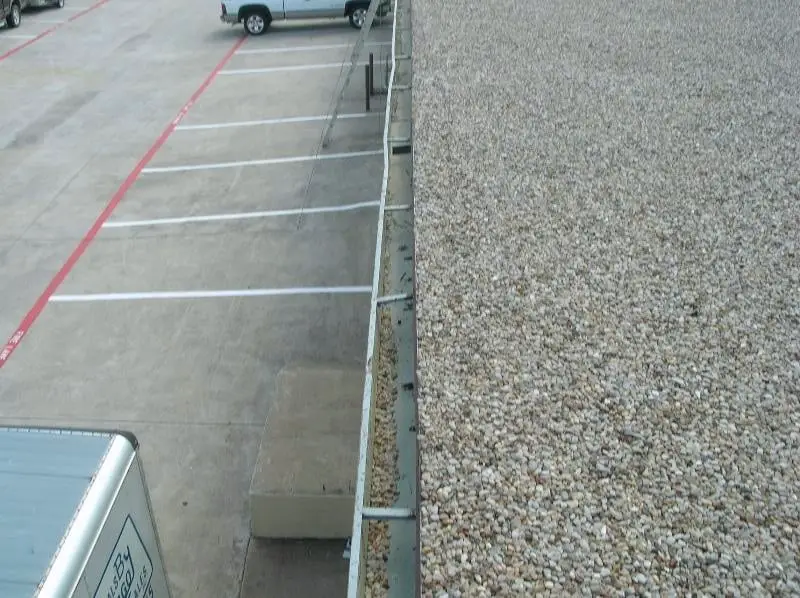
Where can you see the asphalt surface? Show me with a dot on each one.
(193, 378)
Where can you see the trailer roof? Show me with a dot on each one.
(44, 475)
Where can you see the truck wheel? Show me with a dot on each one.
(256, 22)
(14, 18)
(59, 3)
(358, 16)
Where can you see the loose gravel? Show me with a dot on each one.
(383, 486)
(608, 249)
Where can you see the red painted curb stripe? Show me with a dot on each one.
(47, 32)
(34, 313)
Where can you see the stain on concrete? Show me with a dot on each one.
(35, 132)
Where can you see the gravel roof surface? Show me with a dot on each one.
(608, 249)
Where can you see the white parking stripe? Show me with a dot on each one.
(352, 290)
(306, 48)
(241, 215)
(271, 121)
(278, 69)
(15, 36)
(261, 162)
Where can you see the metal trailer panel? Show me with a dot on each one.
(126, 560)
(43, 478)
(75, 517)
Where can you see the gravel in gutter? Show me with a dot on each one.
(608, 257)
(383, 489)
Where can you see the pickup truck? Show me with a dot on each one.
(256, 15)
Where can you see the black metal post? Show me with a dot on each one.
(366, 84)
(371, 74)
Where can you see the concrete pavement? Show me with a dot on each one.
(194, 379)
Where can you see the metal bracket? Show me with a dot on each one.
(393, 298)
(346, 553)
(387, 513)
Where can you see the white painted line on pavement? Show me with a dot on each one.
(241, 215)
(48, 21)
(267, 162)
(15, 36)
(353, 290)
(278, 69)
(305, 48)
(271, 121)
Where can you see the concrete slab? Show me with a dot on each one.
(76, 127)
(282, 93)
(9, 38)
(197, 478)
(303, 53)
(64, 204)
(26, 267)
(200, 260)
(172, 361)
(266, 142)
(303, 484)
(358, 217)
(193, 379)
(292, 568)
(285, 186)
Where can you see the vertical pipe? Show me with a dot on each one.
(366, 85)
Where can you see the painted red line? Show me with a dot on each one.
(34, 313)
(47, 32)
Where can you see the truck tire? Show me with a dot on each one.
(358, 15)
(256, 21)
(59, 3)
(14, 17)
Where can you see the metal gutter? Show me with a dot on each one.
(392, 293)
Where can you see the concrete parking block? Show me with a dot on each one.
(304, 481)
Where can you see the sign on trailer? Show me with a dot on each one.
(129, 568)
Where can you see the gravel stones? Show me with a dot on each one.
(607, 202)
(383, 485)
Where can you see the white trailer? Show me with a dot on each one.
(75, 517)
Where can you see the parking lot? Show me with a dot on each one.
(158, 279)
